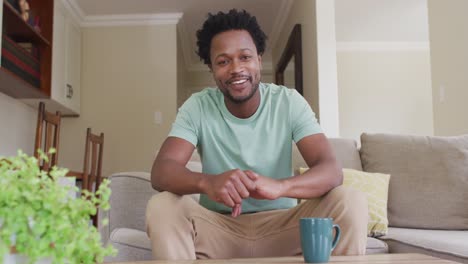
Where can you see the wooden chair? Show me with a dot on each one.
(92, 165)
(47, 136)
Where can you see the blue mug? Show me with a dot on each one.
(317, 239)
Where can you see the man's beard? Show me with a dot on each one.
(241, 99)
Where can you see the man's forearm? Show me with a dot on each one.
(168, 175)
(315, 182)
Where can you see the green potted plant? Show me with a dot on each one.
(40, 221)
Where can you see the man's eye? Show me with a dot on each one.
(222, 62)
(246, 57)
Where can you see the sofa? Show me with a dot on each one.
(427, 196)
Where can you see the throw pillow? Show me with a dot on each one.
(375, 187)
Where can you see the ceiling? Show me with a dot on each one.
(381, 20)
(270, 15)
(356, 20)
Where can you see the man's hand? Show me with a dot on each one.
(230, 188)
(266, 188)
(236, 210)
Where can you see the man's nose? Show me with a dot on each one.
(236, 67)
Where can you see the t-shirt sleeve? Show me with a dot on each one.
(303, 120)
(186, 124)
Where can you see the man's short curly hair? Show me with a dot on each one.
(221, 22)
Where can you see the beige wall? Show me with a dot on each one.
(181, 74)
(385, 91)
(317, 19)
(448, 34)
(196, 81)
(128, 73)
(17, 126)
(303, 12)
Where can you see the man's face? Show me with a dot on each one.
(235, 64)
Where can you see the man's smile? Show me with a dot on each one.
(239, 85)
(238, 80)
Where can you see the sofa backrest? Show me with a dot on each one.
(345, 150)
(428, 178)
(131, 192)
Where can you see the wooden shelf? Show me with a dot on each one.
(14, 86)
(15, 64)
(18, 29)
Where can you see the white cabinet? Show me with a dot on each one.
(58, 55)
(66, 59)
(1, 26)
(73, 64)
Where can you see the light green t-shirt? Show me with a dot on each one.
(261, 143)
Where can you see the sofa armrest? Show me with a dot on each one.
(103, 230)
(130, 192)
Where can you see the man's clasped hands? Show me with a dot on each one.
(230, 187)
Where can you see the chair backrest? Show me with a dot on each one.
(47, 136)
(92, 165)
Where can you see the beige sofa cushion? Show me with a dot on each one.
(446, 244)
(429, 178)
(345, 150)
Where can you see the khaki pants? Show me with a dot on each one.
(180, 228)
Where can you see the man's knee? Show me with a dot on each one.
(352, 216)
(347, 193)
(348, 198)
(166, 204)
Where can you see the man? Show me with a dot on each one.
(243, 131)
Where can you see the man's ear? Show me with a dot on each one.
(210, 67)
(260, 61)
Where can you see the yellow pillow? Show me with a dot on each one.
(375, 186)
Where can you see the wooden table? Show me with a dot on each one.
(367, 259)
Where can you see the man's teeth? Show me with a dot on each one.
(239, 82)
